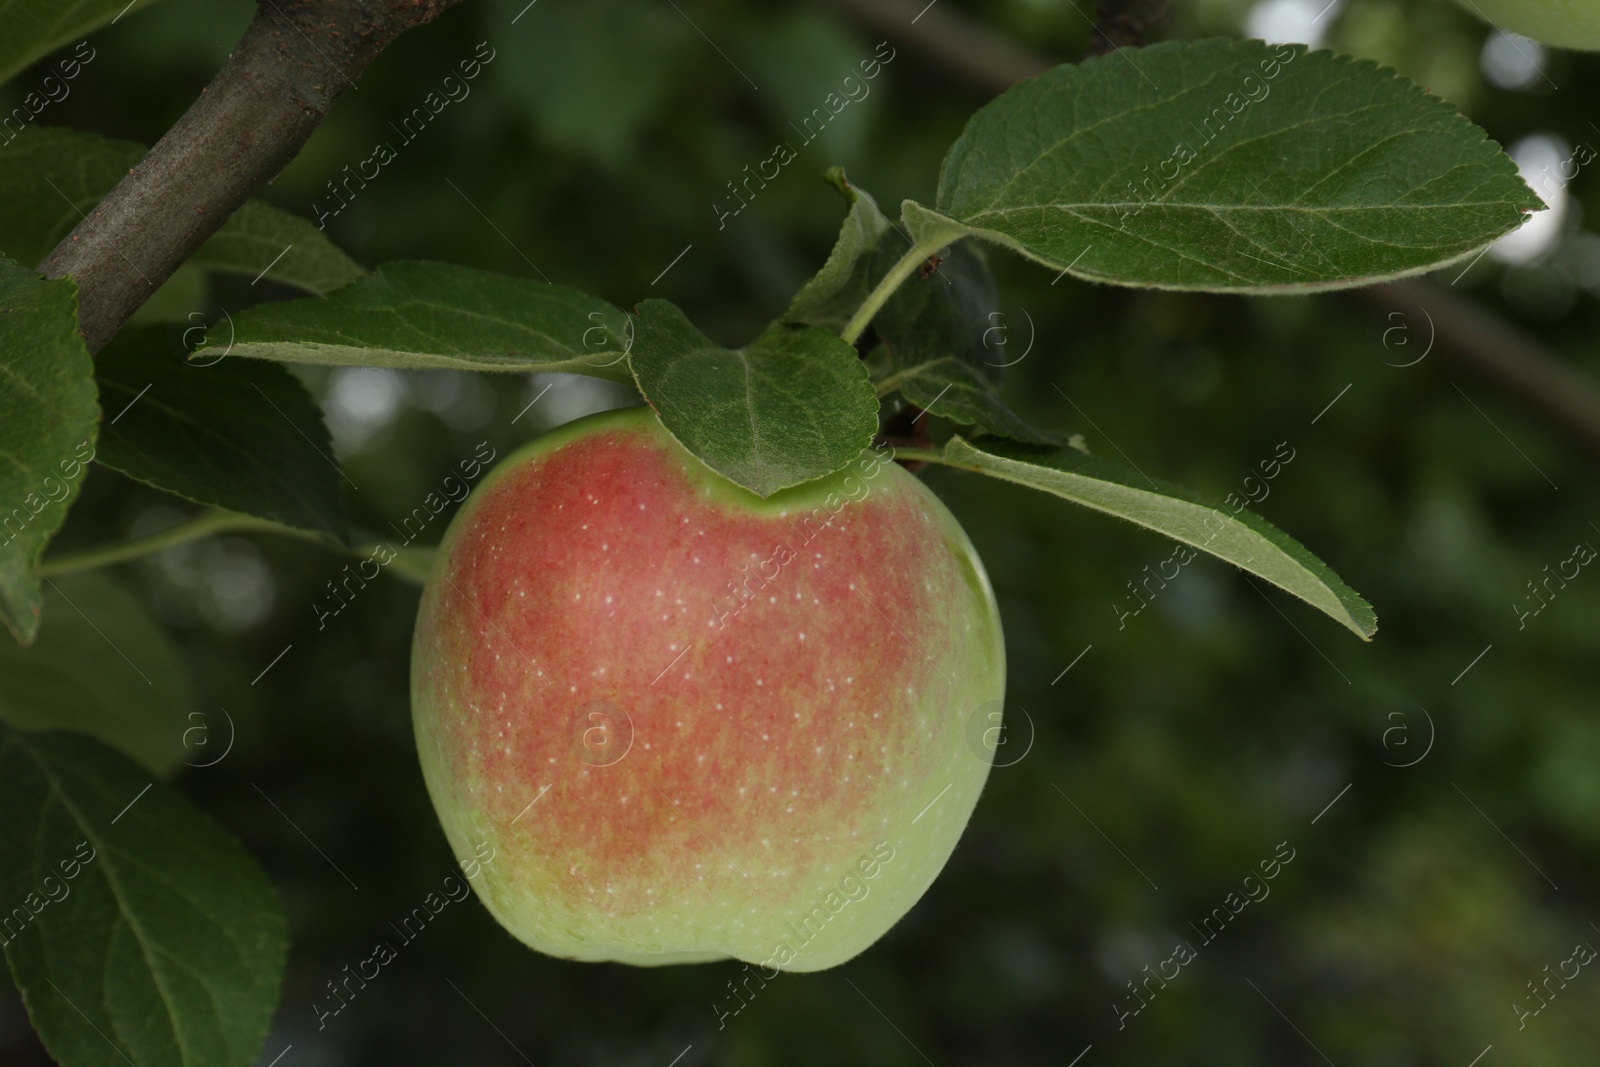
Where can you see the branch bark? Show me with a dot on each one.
(1124, 23)
(982, 59)
(1499, 352)
(296, 58)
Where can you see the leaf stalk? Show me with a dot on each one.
(204, 524)
(412, 564)
(916, 256)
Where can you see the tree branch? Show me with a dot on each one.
(982, 59)
(1124, 23)
(296, 58)
(1498, 351)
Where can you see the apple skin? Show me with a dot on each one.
(1558, 23)
(661, 775)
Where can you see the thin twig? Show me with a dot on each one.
(411, 563)
(296, 58)
(1475, 337)
(203, 524)
(1124, 23)
(984, 60)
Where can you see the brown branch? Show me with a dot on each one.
(1466, 332)
(1498, 351)
(1124, 23)
(984, 60)
(296, 58)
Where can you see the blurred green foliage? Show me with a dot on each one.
(1212, 727)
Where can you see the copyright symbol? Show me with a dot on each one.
(997, 339)
(602, 733)
(993, 739)
(197, 339)
(197, 738)
(1397, 740)
(1398, 336)
(599, 337)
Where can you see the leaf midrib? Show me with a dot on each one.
(400, 313)
(103, 855)
(1222, 207)
(147, 945)
(182, 417)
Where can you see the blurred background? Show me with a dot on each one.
(1437, 789)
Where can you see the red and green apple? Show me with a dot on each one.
(694, 723)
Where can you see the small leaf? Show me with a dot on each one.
(48, 418)
(792, 407)
(833, 294)
(957, 392)
(29, 30)
(237, 434)
(935, 329)
(102, 667)
(50, 177)
(944, 348)
(942, 313)
(263, 240)
(156, 940)
(1230, 166)
(413, 315)
(176, 300)
(1242, 538)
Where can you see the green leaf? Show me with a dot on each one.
(935, 329)
(1229, 166)
(964, 396)
(51, 177)
(833, 294)
(181, 298)
(1241, 537)
(252, 241)
(101, 667)
(237, 434)
(140, 932)
(793, 406)
(941, 313)
(47, 429)
(29, 30)
(430, 315)
(942, 342)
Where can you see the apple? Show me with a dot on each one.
(1560, 23)
(668, 721)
